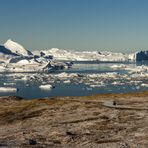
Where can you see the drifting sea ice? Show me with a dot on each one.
(121, 66)
(67, 81)
(145, 85)
(142, 68)
(66, 75)
(9, 84)
(8, 89)
(46, 87)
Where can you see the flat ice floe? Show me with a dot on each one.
(9, 84)
(66, 75)
(119, 66)
(46, 87)
(145, 85)
(67, 81)
(8, 89)
(135, 68)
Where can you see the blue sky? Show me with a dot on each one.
(114, 25)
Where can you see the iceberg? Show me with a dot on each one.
(121, 66)
(9, 84)
(46, 87)
(144, 85)
(8, 89)
(66, 75)
(103, 56)
(67, 81)
(17, 48)
(61, 54)
(5, 54)
(141, 56)
(15, 58)
(4, 50)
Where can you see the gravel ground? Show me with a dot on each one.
(89, 121)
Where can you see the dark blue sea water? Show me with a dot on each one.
(123, 81)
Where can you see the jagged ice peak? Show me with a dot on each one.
(15, 47)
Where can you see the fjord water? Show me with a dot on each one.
(122, 81)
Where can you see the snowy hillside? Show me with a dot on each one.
(17, 48)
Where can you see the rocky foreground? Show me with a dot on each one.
(113, 120)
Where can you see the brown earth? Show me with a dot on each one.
(75, 122)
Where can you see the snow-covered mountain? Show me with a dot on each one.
(17, 48)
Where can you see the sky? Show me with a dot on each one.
(112, 25)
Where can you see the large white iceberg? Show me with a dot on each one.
(15, 58)
(104, 56)
(17, 48)
(8, 89)
(141, 55)
(61, 54)
(46, 87)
